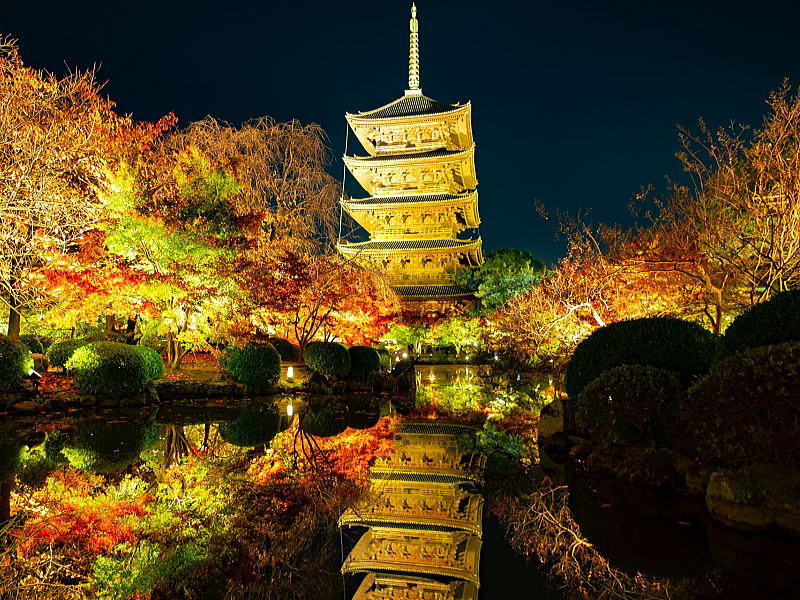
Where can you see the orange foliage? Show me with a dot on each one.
(71, 512)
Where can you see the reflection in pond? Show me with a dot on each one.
(424, 516)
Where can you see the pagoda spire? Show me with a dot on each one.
(413, 54)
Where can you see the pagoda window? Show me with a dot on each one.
(460, 219)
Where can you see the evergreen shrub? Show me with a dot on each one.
(327, 358)
(289, 352)
(679, 346)
(60, 352)
(10, 455)
(255, 425)
(365, 363)
(153, 363)
(631, 403)
(108, 369)
(15, 362)
(258, 366)
(325, 419)
(107, 447)
(747, 409)
(773, 322)
(36, 344)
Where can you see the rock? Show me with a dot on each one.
(27, 407)
(40, 363)
(697, 477)
(557, 444)
(551, 419)
(756, 498)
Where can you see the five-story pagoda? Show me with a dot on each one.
(422, 209)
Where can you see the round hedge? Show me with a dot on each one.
(631, 403)
(59, 353)
(107, 447)
(108, 369)
(773, 322)
(679, 346)
(258, 366)
(255, 425)
(746, 410)
(153, 363)
(15, 363)
(10, 454)
(364, 413)
(289, 352)
(327, 358)
(365, 363)
(325, 419)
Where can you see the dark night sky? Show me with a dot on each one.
(575, 104)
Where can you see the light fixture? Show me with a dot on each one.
(289, 408)
(290, 374)
(405, 354)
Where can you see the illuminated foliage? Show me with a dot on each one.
(504, 274)
(15, 361)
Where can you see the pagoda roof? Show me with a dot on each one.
(432, 291)
(410, 105)
(406, 199)
(410, 158)
(409, 244)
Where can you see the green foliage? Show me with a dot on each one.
(679, 346)
(54, 443)
(746, 410)
(59, 353)
(327, 358)
(386, 360)
(365, 363)
(152, 338)
(503, 450)
(402, 337)
(631, 403)
(255, 425)
(766, 324)
(258, 366)
(325, 419)
(108, 369)
(459, 332)
(504, 274)
(15, 362)
(107, 336)
(153, 363)
(107, 447)
(35, 343)
(364, 412)
(10, 455)
(462, 396)
(289, 352)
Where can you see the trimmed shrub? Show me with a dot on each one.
(107, 447)
(679, 346)
(773, 322)
(365, 363)
(108, 369)
(258, 366)
(255, 425)
(36, 344)
(15, 362)
(327, 358)
(746, 410)
(631, 403)
(153, 363)
(10, 455)
(59, 353)
(289, 352)
(325, 419)
(364, 413)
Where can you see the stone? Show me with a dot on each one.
(40, 363)
(757, 498)
(551, 419)
(27, 407)
(697, 477)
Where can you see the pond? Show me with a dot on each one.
(440, 498)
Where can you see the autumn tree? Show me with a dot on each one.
(60, 143)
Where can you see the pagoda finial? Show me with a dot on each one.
(413, 54)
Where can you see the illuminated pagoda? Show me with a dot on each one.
(422, 208)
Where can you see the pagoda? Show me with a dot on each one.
(422, 210)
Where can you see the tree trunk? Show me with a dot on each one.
(13, 320)
(111, 321)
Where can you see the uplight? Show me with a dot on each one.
(290, 375)
(289, 408)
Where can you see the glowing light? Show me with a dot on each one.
(289, 408)
(432, 377)
(396, 359)
(496, 357)
(405, 354)
(550, 381)
(290, 375)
